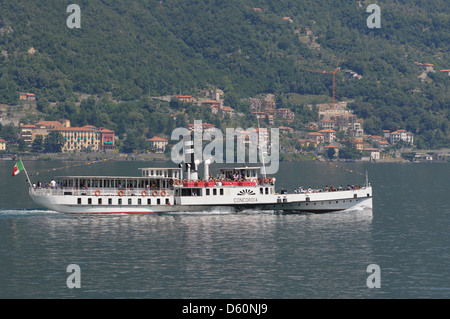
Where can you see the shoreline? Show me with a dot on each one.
(163, 158)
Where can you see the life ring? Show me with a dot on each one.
(163, 193)
(121, 193)
(270, 180)
(260, 180)
(266, 180)
(177, 182)
(185, 181)
(155, 193)
(97, 192)
(144, 193)
(171, 182)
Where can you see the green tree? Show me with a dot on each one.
(331, 153)
(38, 144)
(54, 142)
(10, 133)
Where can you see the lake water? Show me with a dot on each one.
(229, 255)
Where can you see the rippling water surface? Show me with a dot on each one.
(228, 255)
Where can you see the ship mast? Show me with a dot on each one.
(261, 150)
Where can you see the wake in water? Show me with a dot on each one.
(26, 212)
(221, 211)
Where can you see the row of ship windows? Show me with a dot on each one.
(336, 202)
(140, 201)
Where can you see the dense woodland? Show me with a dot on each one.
(128, 50)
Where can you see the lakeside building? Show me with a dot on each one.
(358, 144)
(83, 138)
(316, 137)
(401, 135)
(86, 138)
(382, 144)
(28, 132)
(372, 153)
(329, 135)
(2, 145)
(158, 144)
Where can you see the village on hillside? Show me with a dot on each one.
(337, 134)
(336, 128)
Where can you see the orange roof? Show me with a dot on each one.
(157, 139)
(73, 129)
(2, 140)
(383, 142)
(105, 130)
(327, 131)
(331, 146)
(315, 134)
(445, 70)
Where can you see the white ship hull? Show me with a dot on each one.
(234, 198)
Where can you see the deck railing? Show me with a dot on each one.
(69, 191)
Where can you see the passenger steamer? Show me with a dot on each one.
(178, 190)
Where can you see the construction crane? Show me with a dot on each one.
(334, 79)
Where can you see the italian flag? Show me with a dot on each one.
(17, 168)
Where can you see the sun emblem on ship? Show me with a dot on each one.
(246, 192)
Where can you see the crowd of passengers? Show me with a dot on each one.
(54, 184)
(327, 188)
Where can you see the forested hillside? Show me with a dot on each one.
(138, 48)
